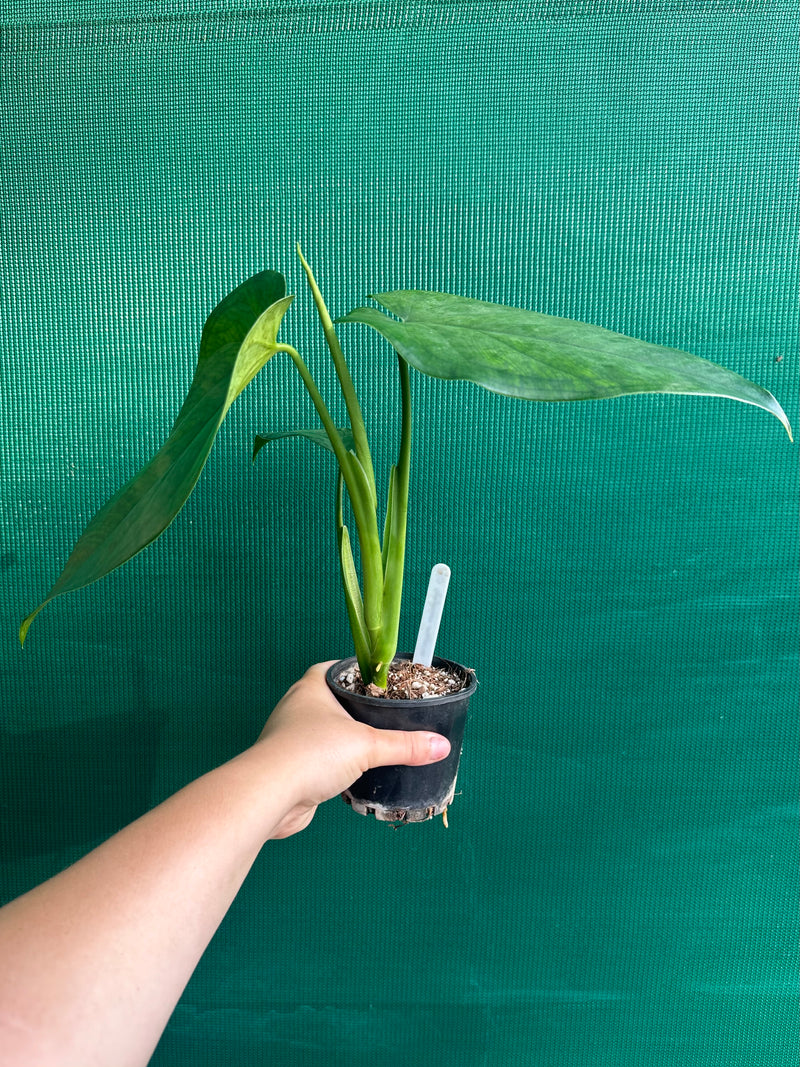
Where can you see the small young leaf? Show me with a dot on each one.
(354, 603)
(237, 340)
(540, 357)
(316, 436)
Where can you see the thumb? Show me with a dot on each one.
(410, 748)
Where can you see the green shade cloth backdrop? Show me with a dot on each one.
(618, 882)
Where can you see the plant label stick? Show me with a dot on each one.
(432, 614)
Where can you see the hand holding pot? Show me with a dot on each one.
(323, 750)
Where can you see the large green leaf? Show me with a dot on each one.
(540, 357)
(237, 340)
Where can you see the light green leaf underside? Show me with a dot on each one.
(237, 340)
(316, 436)
(540, 357)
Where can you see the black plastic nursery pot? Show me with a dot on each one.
(407, 794)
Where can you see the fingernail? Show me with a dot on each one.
(439, 746)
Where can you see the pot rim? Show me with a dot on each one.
(389, 702)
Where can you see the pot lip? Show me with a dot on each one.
(382, 702)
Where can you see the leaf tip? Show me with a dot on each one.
(258, 444)
(774, 407)
(25, 626)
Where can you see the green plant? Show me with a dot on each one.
(504, 349)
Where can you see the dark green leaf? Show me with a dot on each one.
(237, 340)
(539, 357)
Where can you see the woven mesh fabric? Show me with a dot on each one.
(618, 882)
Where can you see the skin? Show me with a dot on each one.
(96, 958)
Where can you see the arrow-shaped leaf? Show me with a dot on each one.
(237, 340)
(540, 357)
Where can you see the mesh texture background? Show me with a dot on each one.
(618, 883)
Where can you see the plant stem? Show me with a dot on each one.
(394, 547)
(357, 425)
(363, 503)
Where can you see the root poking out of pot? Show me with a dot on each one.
(407, 681)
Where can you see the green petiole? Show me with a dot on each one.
(357, 427)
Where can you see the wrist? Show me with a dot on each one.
(271, 785)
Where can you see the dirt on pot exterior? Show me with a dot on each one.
(407, 681)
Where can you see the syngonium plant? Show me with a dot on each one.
(504, 349)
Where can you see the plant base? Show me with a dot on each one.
(408, 794)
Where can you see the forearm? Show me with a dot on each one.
(94, 961)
